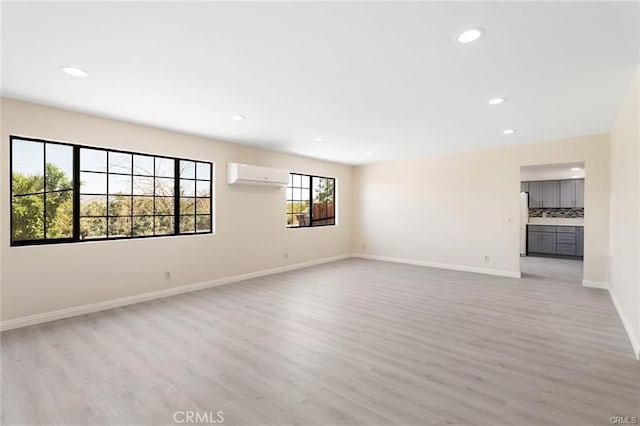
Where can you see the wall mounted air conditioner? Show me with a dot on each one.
(255, 175)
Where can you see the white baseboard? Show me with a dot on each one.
(114, 303)
(635, 344)
(486, 271)
(595, 284)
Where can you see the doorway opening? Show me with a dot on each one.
(552, 221)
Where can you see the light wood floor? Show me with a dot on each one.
(351, 342)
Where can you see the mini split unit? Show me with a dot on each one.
(247, 174)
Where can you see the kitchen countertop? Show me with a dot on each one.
(555, 221)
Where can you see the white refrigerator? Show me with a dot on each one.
(524, 219)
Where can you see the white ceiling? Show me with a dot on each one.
(382, 77)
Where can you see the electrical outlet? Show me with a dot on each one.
(286, 255)
(167, 275)
(364, 246)
(487, 258)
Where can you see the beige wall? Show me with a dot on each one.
(625, 211)
(250, 224)
(456, 209)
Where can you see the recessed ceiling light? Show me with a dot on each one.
(238, 117)
(319, 139)
(75, 72)
(368, 154)
(575, 169)
(509, 131)
(496, 101)
(469, 36)
(576, 176)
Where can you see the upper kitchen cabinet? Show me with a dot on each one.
(572, 193)
(550, 194)
(535, 194)
(579, 193)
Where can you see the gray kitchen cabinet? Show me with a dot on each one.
(550, 194)
(535, 194)
(567, 193)
(566, 249)
(548, 243)
(541, 242)
(579, 193)
(580, 241)
(534, 242)
(524, 186)
(572, 193)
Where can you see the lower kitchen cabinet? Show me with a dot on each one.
(555, 240)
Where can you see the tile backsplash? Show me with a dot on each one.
(564, 213)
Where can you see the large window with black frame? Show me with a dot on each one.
(67, 193)
(310, 201)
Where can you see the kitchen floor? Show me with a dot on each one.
(547, 268)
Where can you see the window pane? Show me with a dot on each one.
(93, 160)
(203, 171)
(59, 167)
(142, 225)
(187, 205)
(203, 205)
(297, 194)
(143, 185)
(93, 227)
(289, 193)
(28, 167)
(119, 184)
(60, 214)
(143, 165)
(93, 183)
(142, 206)
(119, 227)
(119, 162)
(119, 205)
(165, 167)
(93, 205)
(164, 205)
(297, 180)
(187, 187)
(305, 182)
(187, 223)
(203, 223)
(165, 186)
(203, 188)
(28, 217)
(164, 225)
(187, 169)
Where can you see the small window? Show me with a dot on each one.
(67, 193)
(310, 201)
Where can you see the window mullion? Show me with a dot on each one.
(76, 193)
(176, 196)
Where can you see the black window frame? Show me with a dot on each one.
(310, 200)
(76, 238)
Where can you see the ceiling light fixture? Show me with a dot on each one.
(575, 169)
(319, 139)
(509, 131)
(576, 176)
(75, 72)
(469, 36)
(238, 117)
(368, 154)
(496, 101)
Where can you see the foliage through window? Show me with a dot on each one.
(66, 193)
(310, 201)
